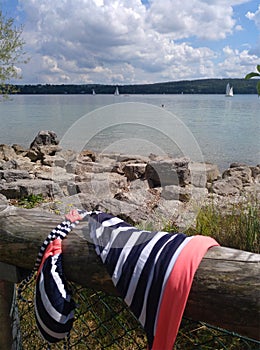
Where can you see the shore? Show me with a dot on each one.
(151, 191)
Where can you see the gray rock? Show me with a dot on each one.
(227, 187)
(103, 185)
(201, 173)
(44, 138)
(23, 188)
(241, 172)
(166, 172)
(3, 202)
(173, 192)
(7, 153)
(14, 175)
(53, 161)
(134, 171)
(90, 167)
(126, 211)
(255, 171)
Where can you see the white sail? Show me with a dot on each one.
(116, 93)
(93, 92)
(229, 90)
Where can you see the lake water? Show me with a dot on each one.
(223, 130)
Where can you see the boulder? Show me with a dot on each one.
(3, 202)
(255, 171)
(23, 188)
(7, 153)
(44, 138)
(126, 211)
(227, 187)
(134, 171)
(102, 185)
(14, 175)
(240, 172)
(53, 161)
(201, 173)
(164, 172)
(173, 192)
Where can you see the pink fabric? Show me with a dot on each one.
(177, 291)
(53, 248)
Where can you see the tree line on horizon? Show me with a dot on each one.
(201, 86)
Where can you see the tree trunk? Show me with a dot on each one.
(224, 293)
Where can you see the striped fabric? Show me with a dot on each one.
(153, 272)
(54, 306)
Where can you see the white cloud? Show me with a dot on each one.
(254, 16)
(124, 41)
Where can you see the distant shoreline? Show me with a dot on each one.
(201, 86)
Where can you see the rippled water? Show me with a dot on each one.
(225, 129)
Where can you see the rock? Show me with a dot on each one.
(255, 171)
(227, 187)
(134, 171)
(44, 138)
(20, 150)
(86, 156)
(3, 202)
(166, 172)
(14, 175)
(82, 170)
(45, 143)
(236, 165)
(173, 192)
(53, 161)
(128, 212)
(241, 172)
(201, 173)
(23, 188)
(11, 164)
(55, 174)
(102, 185)
(7, 153)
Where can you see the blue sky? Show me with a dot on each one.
(134, 41)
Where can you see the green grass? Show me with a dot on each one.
(236, 227)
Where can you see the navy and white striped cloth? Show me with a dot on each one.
(53, 303)
(153, 272)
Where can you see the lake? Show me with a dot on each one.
(218, 129)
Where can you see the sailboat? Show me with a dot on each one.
(116, 93)
(93, 92)
(229, 90)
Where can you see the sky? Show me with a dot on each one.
(136, 41)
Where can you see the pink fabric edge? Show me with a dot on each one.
(177, 291)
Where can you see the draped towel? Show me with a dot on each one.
(153, 272)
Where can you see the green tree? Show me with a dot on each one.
(11, 53)
(254, 74)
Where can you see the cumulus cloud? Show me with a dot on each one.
(254, 16)
(125, 41)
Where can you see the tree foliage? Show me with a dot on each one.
(254, 74)
(11, 53)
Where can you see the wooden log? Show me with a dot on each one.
(6, 298)
(225, 290)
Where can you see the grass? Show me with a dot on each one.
(29, 202)
(238, 226)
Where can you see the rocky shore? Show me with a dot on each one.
(147, 191)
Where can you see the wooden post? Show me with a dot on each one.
(224, 293)
(9, 318)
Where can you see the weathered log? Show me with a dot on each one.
(225, 290)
